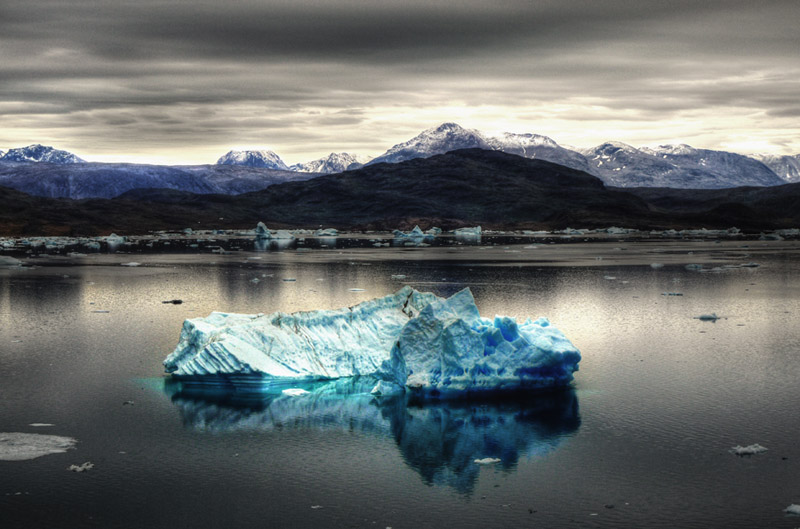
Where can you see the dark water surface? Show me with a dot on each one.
(642, 440)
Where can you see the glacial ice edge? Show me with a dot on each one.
(408, 341)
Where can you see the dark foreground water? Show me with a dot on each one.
(642, 440)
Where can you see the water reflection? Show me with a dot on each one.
(263, 245)
(440, 441)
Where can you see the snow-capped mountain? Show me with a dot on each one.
(264, 158)
(787, 167)
(335, 162)
(438, 140)
(676, 166)
(37, 153)
(538, 147)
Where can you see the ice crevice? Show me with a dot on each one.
(408, 341)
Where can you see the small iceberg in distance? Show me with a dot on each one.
(409, 340)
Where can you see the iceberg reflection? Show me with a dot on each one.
(440, 441)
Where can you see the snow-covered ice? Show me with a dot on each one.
(15, 446)
(295, 392)
(411, 339)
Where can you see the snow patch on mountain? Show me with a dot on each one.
(335, 162)
(263, 158)
(787, 167)
(676, 166)
(38, 153)
(536, 146)
(438, 140)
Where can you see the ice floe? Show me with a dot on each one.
(15, 446)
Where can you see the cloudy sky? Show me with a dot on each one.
(183, 81)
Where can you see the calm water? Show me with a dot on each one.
(641, 441)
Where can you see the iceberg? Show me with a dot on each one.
(416, 233)
(468, 232)
(409, 340)
(262, 232)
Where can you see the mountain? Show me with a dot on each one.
(438, 140)
(447, 190)
(333, 163)
(265, 159)
(538, 147)
(616, 163)
(39, 154)
(107, 180)
(787, 167)
(676, 166)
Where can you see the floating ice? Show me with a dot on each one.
(487, 461)
(81, 468)
(792, 509)
(748, 450)
(410, 339)
(416, 233)
(327, 232)
(40, 424)
(16, 446)
(9, 262)
(262, 232)
(468, 232)
(132, 263)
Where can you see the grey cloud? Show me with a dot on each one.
(171, 72)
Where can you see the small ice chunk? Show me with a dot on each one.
(793, 509)
(40, 424)
(356, 289)
(288, 279)
(132, 263)
(316, 506)
(9, 262)
(656, 265)
(255, 280)
(609, 278)
(707, 317)
(16, 446)
(693, 266)
(398, 276)
(487, 461)
(81, 468)
(173, 301)
(294, 392)
(671, 294)
(748, 450)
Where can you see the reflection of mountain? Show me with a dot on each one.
(438, 440)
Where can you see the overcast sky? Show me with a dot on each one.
(183, 81)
